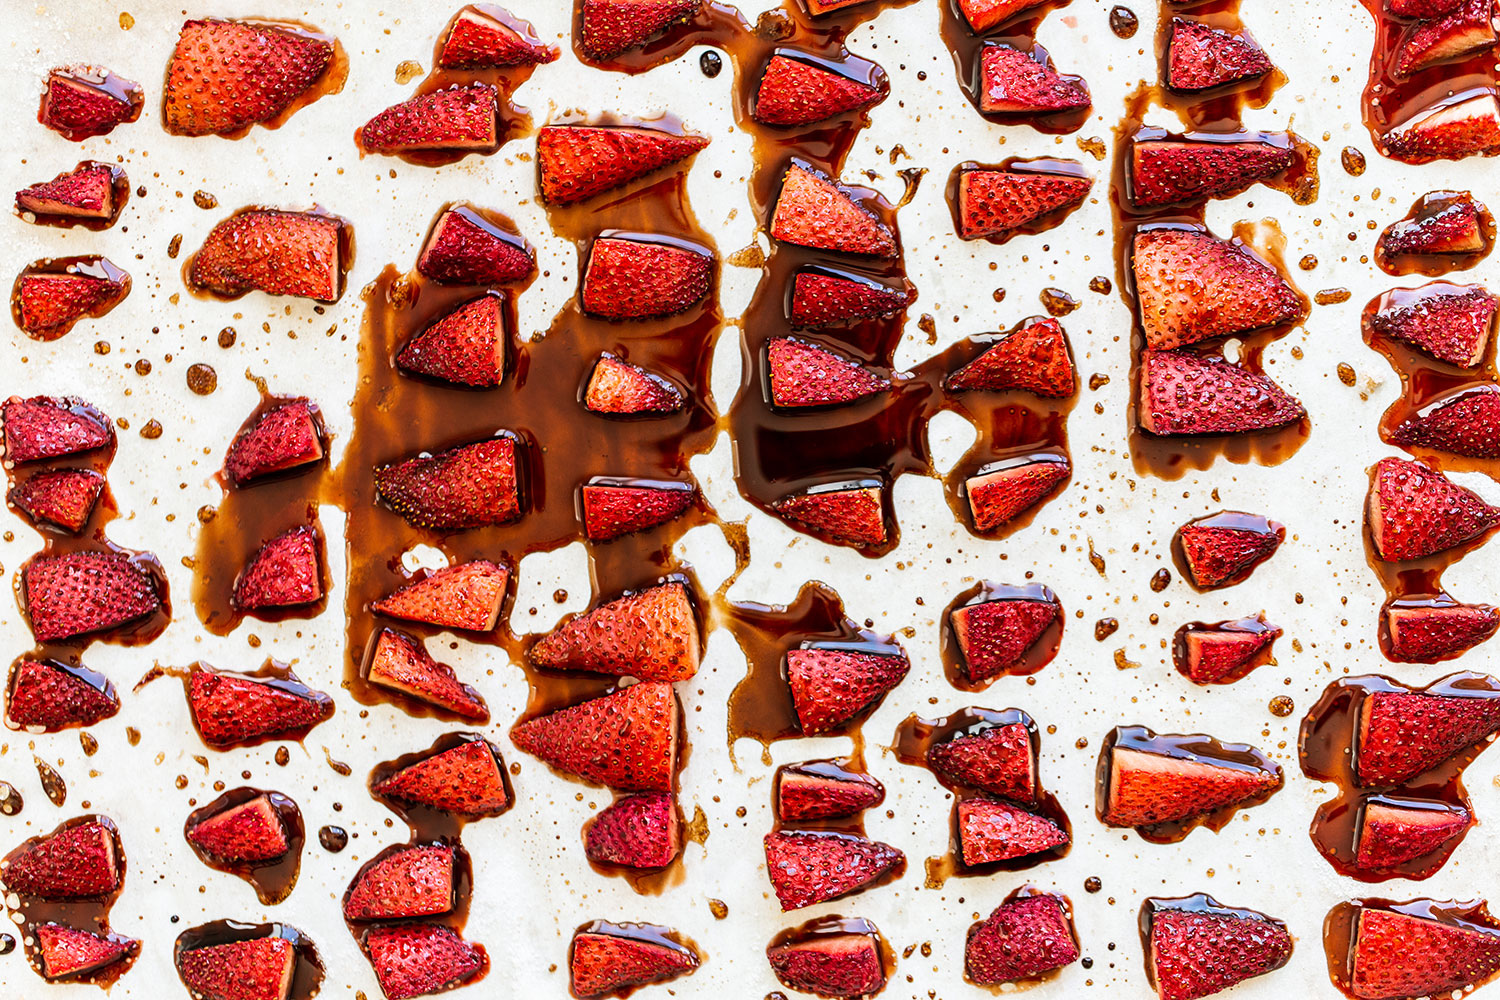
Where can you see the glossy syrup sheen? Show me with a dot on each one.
(274, 878)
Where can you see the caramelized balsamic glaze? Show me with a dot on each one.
(1340, 927)
(307, 972)
(274, 878)
(1037, 655)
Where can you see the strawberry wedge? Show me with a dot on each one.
(1152, 781)
(627, 739)
(1021, 939)
(465, 248)
(613, 959)
(225, 76)
(466, 780)
(82, 593)
(995, 636)
(457, 119)
(835, 958)
(466, 347)
(1467, 126)
(824, 790)
(52, 427)
(641, 279)
(79, 860)
(1169, 172)
(813, 211)
(286, 572)
(613, 508)
(280, 438)
(1449, 322)
(69, 953)
(482, 36)
(49, 303)
(640, 831)
(262, 967)
(652, 635)
(1395, 832)
(823, 297)
(1397, 954)
(1224, 549)
(62, 498)
(1413, 511)
(84, 194)
(277, 252)
(466, 596)
(803, 374)
(1202, 57)
(1185, 393)
(1034, 357)
(794, 91)
(231, 710)
(412, 960)
(399, 662)
(81, 101)
(1197, 948)
(577, 162)
(1426, 631)
(619, 388)
(1403, 734)
(808, 867)
(991, 831)
(831, 686)
(845, 513)
(1002, 491)
(471, 486)
(995, 204)
(47, 695)
(1465, 422)
(250, 833)
(1014, 82)
(1193, 286)
(608, 28)
(999, 758)
(402, 883)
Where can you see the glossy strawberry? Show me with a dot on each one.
(998, 203)
(465, 248)
(995, 636)
(610, 959)
(1202, 57)
(67, 953)
(983, 15)
(651, 634)
(830, 686)
(466, 596)
(840, 959)
(455, 119)
(465, 347)
(1182, 392)
(619, 388)
(465, 780)
(225, 76)
(990, 830)
(1405, 733)
(821, 297)
(1146, 787)
(576, 162)
(998, 758)
(609, 27)
(640, 831)
(287, 435)
(1439, 630)
(250, 832)
(1193, 286)
(1167, 172)
(1013, 82)
(52, 427)
(639, 279)
(1452, 228)
(482, 36)
(800, 92)
(1002, 491)
(815, 212)
(258, 968)
(79, 102)
(1413, 511)
(802, 374)
(47, 304)
(471, 486)
(87, 192)
(1396, 954)
(78, 860)
(399, 662)
(1224, 549)
(823, 790)
(616, 507)
(1023, 938)
(1465, 30)
(1198, 948)
(626, 739)
(1034, 357)
(286, 572)
(1421, 8)
(1395, 832)
(1465, 422)
(1225, 652)
(1467, 126)
(414, 880)
(232, 710)
(1449, 322)
(413, 960)
(847, 513)
(276, 252)
(47, 695)
(81, 593)
(810, 867)
(64, 498)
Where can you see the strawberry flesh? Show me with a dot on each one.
(1219, 554)
(1148, 788)
(1406, 733)
(846, 965)
(810, 867)
(1466, 423)
(620, 388)
(994, 636)
(990, 830)
(1463, 31)
(817, 791)
(1449, 322)
(797, 92)
(48, 695)
(467, 596)
(402, 883)
(1002, 491)
(576, 162)
(464, 780)
(286, 436)
(983, 15)
(1192, 286)
(65, 498)
(1034, 358)
(1013, 82)
(485, 37)
(813, 211)
(259, 968)
(81, 593)
(1436, 631)
(1455, 228)
(1169, 172)
(49, 303)
(821, 298)
(412, 960)
(1451, 131)
(66, 952)
(1182, 392)
(640, 831)
(461, 118)
(85, 192)
(1421, 9)
(607, 960)
(830, 685)
(999, 759)
(1400, 955)
(1224, 653)
(465, 347)
(997, 203)
(471, 486)
(276, 252)
(849, 513)
(1201, 57)
(232, 710)
(464, 248)
(626, 739)
(250, 832)
(287, 572)
(615, 507)
(1395, 832)
(651, 635)
(608, 28)
(52, 427)
(806, 375)
(1413, 511)
(1200, 950)
(399, 662)
(225, 76)
(80, 102)
(79, 860)
(636, 279)
(1020, 940)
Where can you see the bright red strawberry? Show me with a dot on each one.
(1455, 228)
(1020, 940)
(465, 347)
(1167, 172)
(798, 92)
(808, 867)
(990, 830)
(225, 76)
(52, 427)
(607, 28)
(250, 832)
(822, 789)
(1004, 490)
(616, 507)
(62, 497)
(1400, 955)
(639, 831)
(467, 596)
(78, 860)
(259, 968)
(1421, 8)
(839, 958)
(1394, 832)
(466, 780)
(651, 634)
(66, 952)
(576, 162)
(994, 204)
(1223, 549)
(618, 387)
(805, 375)
(1413, 511)
(1193, 286)
(832, 685)
(49, 303)
(1465, 422)
(85, 592)
(1464, 31)
(815, 212)
(821, 297)
(1033, 357)
(626, 739)
(483, 36)
(1226, 652)
(848, 513)
(471, 486)
(399, 662)
(1148, 787)
(1186, 393)
(983, 15)
(456, 119)
(1430, 632)
(1013, 82)
(276, 252)
(1405, 733)
(1465, 127)
(415, 880)
(817, 8)
(1450, 322)
(638, 279)
(412, 960)
(233, 710)
(611, 959)
(465, 248)
(1198, 948)
(1201, 57)
(80, 102)
(285, 436)
(86, 192)
(286, 572)
(994, 636)
(47, 695)
(999, 758)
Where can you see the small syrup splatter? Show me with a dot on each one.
(1106, 627)
(132, 736)
(202, 379)
(1346, 373)
(89, 743)
(1353, 160)
(1092, 884)
(11, 801)
(1123, 22)
(1099, 283)
(1332, 296)
(333, 838)
(339, 767)
(711, 64)
(1308, 262)
(1281, 706)
(718, 908)
(1057, 302)
(205, 200)
(151, 430)
(52, 782)
(1160, 579)
(408, 71)
(227, 337)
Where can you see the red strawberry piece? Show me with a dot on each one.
(49, 695)
(403, 882)
(1223, 549)
(66, 952)
(1400, 955)
(823, 790)
(611, 959)
(989, 830)
(412, 960)
(849, 513)
(1034, 357)
(1421, 8)
(1454, 228)
(615, 507)
(607, 28)
(1002, 491)
(997, 758)
(825, 298)
(795, 91)
(803, 375)
(813, 211)
(1200, 57)
(276, 252)
(461, 118)
(1186, 393)
(997, 203)
(1013, 82)
(465, 780)
(465, 248)
(286, 572)
(1172, 171)
(983, 15)
(481, 37)
(1146, 788)
(1020, 940)
(62, 497)
(471, 486)
(840, 959)
(638, 279)
(1450, 322)
(1198, 948)
(817, 8)
(79, 860)
(651, 634)
(1393, 832)
(225, 76)
(399, 662)
(1465, 30)
(465, 347)
(1413, 511)
(48, 303)
(286, 436)
(84, 101)
(808, 867)
(250, 832)
(260, 968)
(1405, 733)
(85, 192)
(467, 596)
(618, 387)
(1452, 131)
(1466, 422)
(639, 831)
(1432, 631)
(1224, 653)
(626, 739)
(1193, 286)
(994, 636)
(576, 162)
(85, 592)
(832, 685)
(52, 427)
(236, 710)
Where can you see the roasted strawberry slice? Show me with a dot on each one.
(640, 831)
(1397, 954)
(47, 303)
(606, 28)
(66, 952)
(802, 374)
(465, 248)
(833, 958)
(1467, 126)
(47, 695)
(471, 486)
(225, 76)
(412, 960)
(80, 102)
(65, 498)
(831, 685)
(612, 959)
(78, 860)
(808, 867)
(284, 436)
(81, 593)
(1225, 652)
(994, 756)
(576, 162)
(1014, 82)
(412, 880)
(813, 211)
(467, 596)
(1413, 511)
(1202, 57)
(257, 968)
(1449, 322)
(823, 297)
(1197, 947)
(1192, 286)
(86, 194)
(990, 830)
(1033, 357)
(464, 347)
(1465, 422)
(1422, 9)
(823, 789)
(1002, 491)
(1429, 630)
(847, 513)
(796, 91)
(277, 252)
(983, 15)
(995, 204)
(995, 636)
(52, 427)
(233, 710)
(1465, 30)
(465, 779)
(619, 388)
(1170, 171)
(1406, 733)
(482, 36)
(651, 635)
(1225, 548)
(399, 662)
(616, 507)
(1395, 832)
(458, 119)
(251, 832)
(286, 572)
(1151, 780)
(626, 739)
(1446, 225)
(1022, 939)
(1182, 392)
(638, 278)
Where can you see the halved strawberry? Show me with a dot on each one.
(1465, 422)
(1432, 631)
(1225, 652)
(78, 860)
(285, 436)
(998, 758)
(612, 959)
(86, 192)
(1198, 948)
(1450, 322)
(1224, 549)
(638, 279)
(52, 427)
(1405, 733)
(1202, 57)
(80, 102)
(808, 867)
(250, 832)
(798, 91)
(225, 76)
(831, 685)
(1463, 127)
(464, 347)
(66, 952)
(1014, 82)
(1452, 228)
(814, 211)
(1413, 511)
(1402, 955)
(1182, 392)
(616, 507)
(1004, 490)
(413, 880)
(639, 831)
(258, 968)
(1394, 832)
(483, 36)
(983, 15)
(466, 596)
(465, 780)
(232, 710)
(1034, 357)
(996, 203)
(276, 252)
(848, 513)
(802, 374)
(1147, 787)
(1193, 286)
(80, 593)
(286, 572)
(576, 162)
(833, 957)
(465, 248)
(1019, 940)
(47, 695)
(1166, 172)
(48, 303)
(462, 118)
(990, 830)
(471, 486)
(607, 28)
(62, 497)
(823, 297)
(652, 635)
(412, 960)
(994, 636)
(399, 662)
(823, 790)
(626, 739)
(618, 387)
(1465, 30)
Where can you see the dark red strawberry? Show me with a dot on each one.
(1429, 631)
(1013, 82)
(996, 203)
(618, 387)
(78, 860)
(817, 8)
(849, 513)
(86, 192)
(823, 789)
(652, 635)
(259, 968)
(1450, 322)
(1465, 30)
(1405, 733)
(1224, 549)
(615, 507)
(250, 832)
(825, 298)
(465, 347)
(1033, 357)
(1021, 939)
(1225, 652)
(805, 375)
(1413, 511)
(48, 303)
(576, 162)
(286, 572)
(85, 592)
(1465, 422)
(638, 279)
(47, 695)
(1004, 490)
(465, 248)
(399, 662)
(998, 758)
(795, 91)
(809, 867)
(1169, 171)
(62, 497)
(52, 427)
(276, 252)
(990, 830)
(1198, 948)
(1421, 8)
(466, 780)
(414, 880)
(994, 636)
(84, 101)
(1202, 57)
(612, 959)
(607, 28)
(225, 76)
(1401, 955)
(839, 958)
(983, 15)
(1393, 832)
(467, 596)
(481, 37)
(1186, 393)
(288, 435)
(412, 960)
(456, 119)
(1193, 286)
(832, 685)
(813, 211)
(1146, 787)
(639, 831)
(1466, 126)
(471, 486)
(232, 710)
(1455, 228)
(626, 739)
(66, 952)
